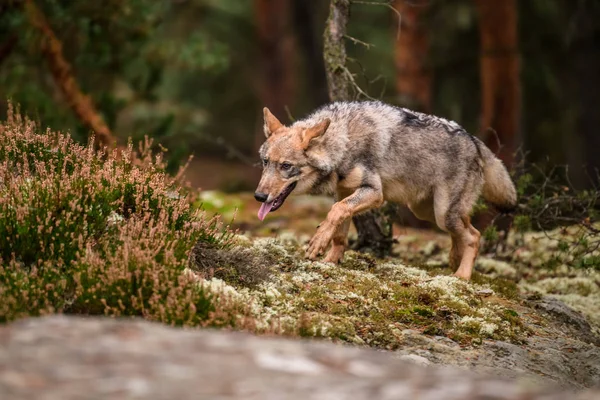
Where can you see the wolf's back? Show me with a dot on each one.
(498, 188)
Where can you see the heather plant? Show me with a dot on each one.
(90, 232)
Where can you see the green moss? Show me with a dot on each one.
(359, 261)
(503, 287)
(370, 301)
(423, 311)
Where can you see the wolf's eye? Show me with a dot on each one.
(265, 162)
(285, 166)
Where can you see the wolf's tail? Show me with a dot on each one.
(498, 188)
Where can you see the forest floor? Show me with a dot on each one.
(87, 235)
(516, 317)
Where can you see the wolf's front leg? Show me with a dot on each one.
(338, 243)
(367, 196)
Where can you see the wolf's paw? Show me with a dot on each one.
(320, 241)
(335, 254)
(463, 274)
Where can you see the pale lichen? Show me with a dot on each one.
(366, 301)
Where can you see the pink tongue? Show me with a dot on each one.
(264, 210)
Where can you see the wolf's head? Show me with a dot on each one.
(285, 162)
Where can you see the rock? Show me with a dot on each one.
(485, 292)
(572, 320)
(66, 358)
(415, 359)
(552, 354)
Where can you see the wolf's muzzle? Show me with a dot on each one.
(262, 197)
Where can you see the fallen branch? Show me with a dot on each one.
(62, 72)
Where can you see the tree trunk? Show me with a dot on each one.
(584, 61)
(374, 231)
(81, 104)
(413, 75)
(276, 43)
(334, 50)
(306, 14)
(500, 85)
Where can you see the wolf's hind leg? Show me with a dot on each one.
(338, 243)
(455, 254)
(453, 217)
(465, 248)
(469, 246)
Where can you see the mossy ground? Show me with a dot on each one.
(544, 270)
(369, 301)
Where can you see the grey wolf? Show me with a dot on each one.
(365, 153)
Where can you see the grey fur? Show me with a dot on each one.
(418, 151)
(428, 163)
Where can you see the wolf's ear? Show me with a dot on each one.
(314, 132)
(271, 123)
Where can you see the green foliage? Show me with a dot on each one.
(94, 233)
(564, 216)
(524, 183)
(176, 69)
(522, 223)
(480, 206)
(491, 234)
(129, 56)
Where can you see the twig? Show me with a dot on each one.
(357, 41)
(61, 70)
(498, 143)
(289, 113)
(182, 169)
(354, 84)
(555, 202)
(376, 79)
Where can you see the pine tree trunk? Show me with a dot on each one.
(413, 75)
(276, 44)
(306, 16)
(500, 85)
(62, 72)
(374, 231)
(334, 50)
(584, 59)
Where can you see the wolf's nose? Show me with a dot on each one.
(261, 197)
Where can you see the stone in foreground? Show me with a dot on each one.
(90, 358)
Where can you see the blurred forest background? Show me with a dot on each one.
(195, 74)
